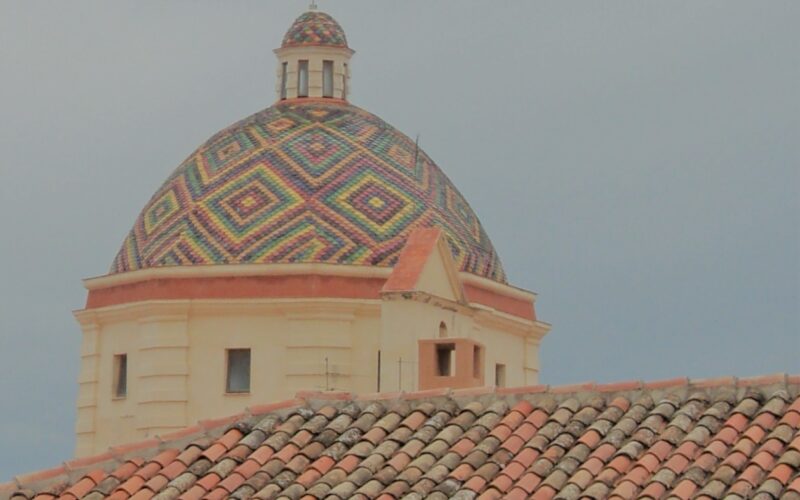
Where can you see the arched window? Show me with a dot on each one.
(327, 78)
(302, 79)
(442, 330)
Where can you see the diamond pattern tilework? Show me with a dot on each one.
(304, 182)
(315, 28)
(632, 440)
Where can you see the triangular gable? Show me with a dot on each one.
(426, 265)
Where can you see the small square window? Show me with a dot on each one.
(238, 376)
(120, 382)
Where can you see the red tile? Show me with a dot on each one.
(516, 494)
(791, 419)
(126, 470)
(194, 493)
(688, 449)
(717, 448)
(208, 482)
(752, 474)
(262, 455)
(736, 460)
(233, 481)
(524, 407)
(350, 462)
(727, 435)
(414, 420)
(544, 493)
(514, 470)
(156, 483)
(685, 489)
(782, 472)
(323, 464)
(537, 418)
(248, 468)
(649, 462)
(463, 446)
(661, 449)
(82, 487)
(529, 482)
(795, 484)
(604, 452)
(527, 456)
(501, 432)
(502, 482)
(755, 433)
(475, 483)
(513, 444)
(763, 459)
(620, 464)
(462, 472)
(215, 451)
(774, 446)
(590, 438)
(132, 485)
(766, 420)
(525, 431)
(165, 457)
(738, 422)
(677, 463)
(654, 490)
(706, 461)
(620, 402)
(491, 494)
(594, 465)
(143, 494)
(217, 494)
(287, 453)
(625, 489)
(308, 477)
(173, 470)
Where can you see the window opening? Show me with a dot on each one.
(284, 71)
(327, 78)
(302, 79)
(476, 362)
(445, 354)
(344, 82)
(238, 377)
(120, 375)
(499, 375)
(442, 330)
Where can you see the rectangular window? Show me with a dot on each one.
(344, 82)
(444, 359)
(327, 78)
(302, 79)
(499, 375)
(238, 378)
(284, 71)
(120, 375)
(476, 362)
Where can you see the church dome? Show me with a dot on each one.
(309, 181)
(316, 29)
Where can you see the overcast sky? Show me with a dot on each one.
(636, 163)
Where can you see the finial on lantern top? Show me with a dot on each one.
(313, 5)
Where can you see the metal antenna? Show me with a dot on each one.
(416, 150)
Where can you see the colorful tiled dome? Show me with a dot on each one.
(304, 182)
(315, 28)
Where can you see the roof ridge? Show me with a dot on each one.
(148, 448)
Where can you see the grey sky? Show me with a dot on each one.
(636, 163)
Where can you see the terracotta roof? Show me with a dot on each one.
(304, 181)
(669, 439)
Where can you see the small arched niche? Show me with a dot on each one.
(442, 330)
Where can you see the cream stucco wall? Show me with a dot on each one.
(315, 57)
(177, 349)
